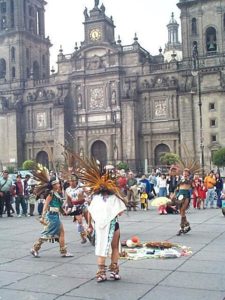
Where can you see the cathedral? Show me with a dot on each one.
(114, 102)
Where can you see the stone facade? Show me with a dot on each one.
(118, 103)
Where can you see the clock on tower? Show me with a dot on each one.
(95, 34)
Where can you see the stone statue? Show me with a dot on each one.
(79, 103)
(102, 8)
(96, 3)
(113, 98)
(86, 13)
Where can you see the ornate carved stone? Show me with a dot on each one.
(50, 94)
(145, 84)
(41, 120)
(41, 94)
(96, 98)
(96, 62)
(160, 108)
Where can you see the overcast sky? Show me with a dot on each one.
(148, 18)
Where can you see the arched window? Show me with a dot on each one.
(31, 11)
(31, 25)
(13, 72)
(43, 60)
(194, 26)
(211, 42)
(3, 7)
(27, 54)
(28, 73)
(36, 70)
(2, 68)
(3, 22)
(12, 12)
(13, 53)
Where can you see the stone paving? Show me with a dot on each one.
(196, 277)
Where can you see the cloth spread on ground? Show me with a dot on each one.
(148, 250)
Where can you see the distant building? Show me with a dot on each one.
(115, 102)
(173, 48)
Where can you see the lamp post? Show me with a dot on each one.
(115, 142)
(196, 72)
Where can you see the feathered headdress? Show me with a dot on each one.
(41, 175)
(188, 161)
(95, 177)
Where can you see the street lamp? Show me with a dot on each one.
(115, 150)
(196, 72)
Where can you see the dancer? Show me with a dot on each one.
(105, 207)
(184, 187)
(53, 227)
(75, 201)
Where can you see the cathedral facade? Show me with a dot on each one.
(114, 102)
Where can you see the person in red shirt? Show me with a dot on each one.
(19, 195)
(122, 183)
(196, 184)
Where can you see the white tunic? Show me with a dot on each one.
(103, 210)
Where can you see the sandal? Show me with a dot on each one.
(101, 274)
(114, 271)
(34, 253)
(67, 255)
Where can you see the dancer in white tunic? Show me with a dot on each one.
(105, 209)
(107, 203)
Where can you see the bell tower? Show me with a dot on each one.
(24, 49)
(202, 24)
(97, 26)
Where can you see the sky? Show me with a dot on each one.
(147, 18)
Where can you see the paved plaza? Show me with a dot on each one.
(199, 276)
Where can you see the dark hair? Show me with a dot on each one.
(73, 177)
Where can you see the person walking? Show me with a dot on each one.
(20, 200)
(196, 190)
(210, 182)
(162, 185)
(219, 188)
(131, 191)
(31, 201)
(172, 181)
(153, 182)
(53, 227)
(5, 193)
(26, 188)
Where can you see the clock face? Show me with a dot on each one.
(95, 34)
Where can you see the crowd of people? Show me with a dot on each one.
(98, 213)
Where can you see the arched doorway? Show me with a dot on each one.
(159, 151)
(42, 158)
(99, 151)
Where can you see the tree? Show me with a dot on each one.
(169, 158)
(219, 157)
(28, 165)
(123, 166)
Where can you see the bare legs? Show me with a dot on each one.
(184, 225)
(113, 268)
